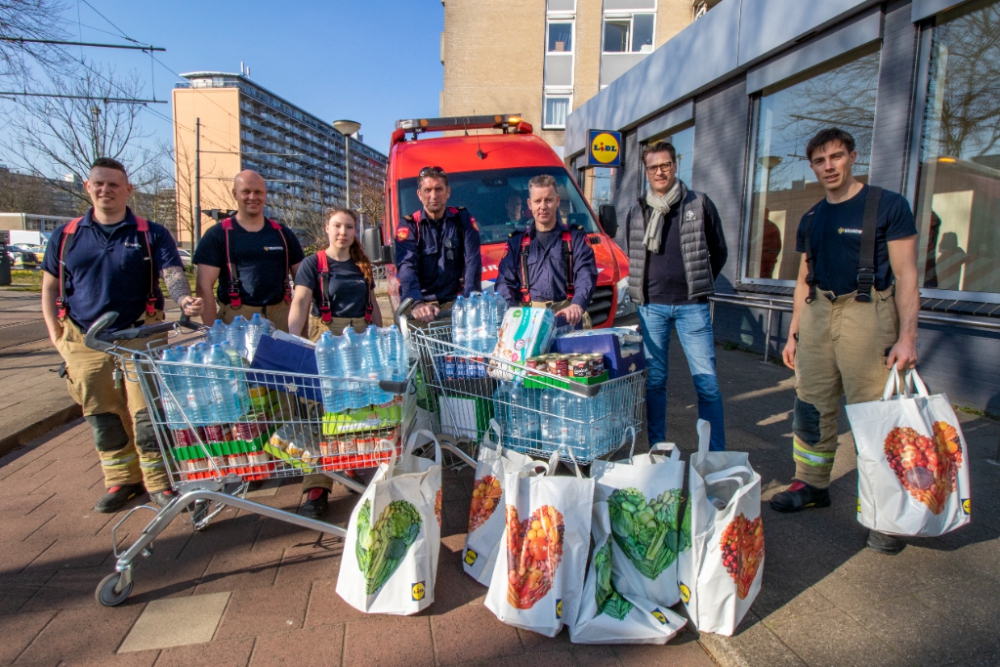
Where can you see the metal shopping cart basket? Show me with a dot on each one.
(469, 389)
(284, 432)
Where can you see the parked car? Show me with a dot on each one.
(185, 256)
(24, 258)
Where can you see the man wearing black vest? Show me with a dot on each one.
(251, 258)
(676, 249)
(855, 313)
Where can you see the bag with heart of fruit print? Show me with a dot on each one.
(394, 536)
(486, 513)
(720, 575)
(913, 463)
(539, 574)
(644, 502)
(607, 616)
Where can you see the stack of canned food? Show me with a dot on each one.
(569, 365)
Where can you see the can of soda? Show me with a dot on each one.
(460, 368)
(449, 366)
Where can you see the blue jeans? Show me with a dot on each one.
(694, 328)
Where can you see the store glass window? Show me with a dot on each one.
(683, 143)
(560, 37)
(958, 192)
(784, 187)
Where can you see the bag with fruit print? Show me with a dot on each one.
(393, 539)
(644, 502)
(486, 513)
(913, 464)
(608, 616)
(720, 575)
(538, 577)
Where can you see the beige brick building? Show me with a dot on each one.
(544, 58)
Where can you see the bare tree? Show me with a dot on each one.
(35, 20)
(302, 207)
(155, 194)
(55, 135)
(372, 201)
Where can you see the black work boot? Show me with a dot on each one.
(117, 496)
(163, 498)
(884, 544)
(316, 504)
(800, 496)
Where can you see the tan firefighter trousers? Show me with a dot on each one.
(842, 349)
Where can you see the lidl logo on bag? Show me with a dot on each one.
(685, 593)
(660, 616)
(418, 591)
(559, 608)
(967, 506)
(470, 557)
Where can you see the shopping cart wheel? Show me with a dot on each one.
(106, 593)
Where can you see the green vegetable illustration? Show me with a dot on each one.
(381, 548)
(646, 530)
(608, 600)
(685, 532)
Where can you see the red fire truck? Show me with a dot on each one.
(488, 174)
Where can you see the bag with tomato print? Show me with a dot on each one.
(607, 616)
(390, 556)
(486, 513)
(913, 463)
(539, 574)
(720, 575)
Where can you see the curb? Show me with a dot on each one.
(39, 428)
(720, 651)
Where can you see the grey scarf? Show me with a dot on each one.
(661, 206)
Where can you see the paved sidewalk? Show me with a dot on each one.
(253, 591)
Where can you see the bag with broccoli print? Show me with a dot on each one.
(913, 463)
(606, 615)
(644, 502)
(539, 573)
(720, 575)
(486, 512)
(394, 536)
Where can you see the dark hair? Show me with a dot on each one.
(431, 172)
(659, 147)
(358, 255)
(109, 163)
(829, 136)
(542, 181)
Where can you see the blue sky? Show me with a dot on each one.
(373, 61)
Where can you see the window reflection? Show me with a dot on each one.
(958, 197)
(784, 187)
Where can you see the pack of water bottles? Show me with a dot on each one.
(475, 321)
(242, 334)
(204, 384)
(352, 365)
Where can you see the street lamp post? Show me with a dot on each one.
(347, 128)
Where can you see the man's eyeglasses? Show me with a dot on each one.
(665, 167)
(430, 171)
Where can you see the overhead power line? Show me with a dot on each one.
(120, 100)
(25, 40)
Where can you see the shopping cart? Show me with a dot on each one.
(285, 432)
(464, 388)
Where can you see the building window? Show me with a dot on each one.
(556, 110)
(958, 192)
(631, 33)
(683, 143)
(560, 37)
(784, 188)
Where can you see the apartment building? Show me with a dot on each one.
(242, 125)
(544, 58)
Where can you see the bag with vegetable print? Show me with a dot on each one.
(486, 514)
(608, 616)
(913, 463)
(394, 536)
(720, 575)
(644, 502)
(539, 573)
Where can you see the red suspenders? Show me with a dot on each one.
(325, 311)
(567, 250)
(233, 291)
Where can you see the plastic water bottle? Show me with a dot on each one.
(560, 427)
(218, 334)
(198, 393)
(349, 349)
(257, 328)
(577, 409)
(501, 407)
(460, 322)
(225, 404)
(501, 307)
(477, 322)
(490, 319)
(395, 352)
(549, 425)
(174, 380)
(374, 366)
(520, 422)
(238, 335)
(237, 377)
(328, 363)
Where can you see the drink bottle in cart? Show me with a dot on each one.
(559, 426)
(257, 328)
(225, 403)
(460, 322)
(477, 322)
(501, 407)
(328, 364)
(217, 334)
(198, 395)
(237, 335)
(174, 380)
(395, 352)
(374, 366)
(350, 355)
(549, 424)
(523, 419)
(579, 435)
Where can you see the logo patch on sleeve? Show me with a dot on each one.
(475, 225)
(402, 233)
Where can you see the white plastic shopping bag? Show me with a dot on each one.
(913, 463)
(644, 502)
(486, 513)
(539, 573)
(720, 575)
(394, 536)
(606, 615)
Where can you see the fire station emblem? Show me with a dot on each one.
(475, 225)
(402, 233)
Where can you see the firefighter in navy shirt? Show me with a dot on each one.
(548, 264)
(111, 260)
(251, 258)
(437, 249)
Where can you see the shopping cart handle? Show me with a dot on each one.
(393, 387)
(405, 304)
(97, 339)
(93, 340)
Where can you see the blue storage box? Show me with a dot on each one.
(607, 345)
(275, 356)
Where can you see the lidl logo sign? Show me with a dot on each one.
(558, 608)
(604, 148)
(685, 593)
(967, 506)
(418, 591)
(470, 557)
(660, 616)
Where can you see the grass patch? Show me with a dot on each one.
(25, 281)
(976, 411)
